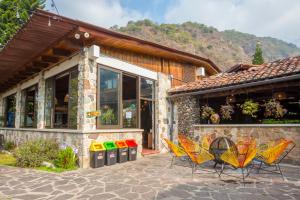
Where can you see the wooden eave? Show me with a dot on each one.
(38, 46)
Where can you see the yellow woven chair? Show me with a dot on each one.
(175, 150)
(271, 154)
(207, 140)
(197, 154)
(240, 157)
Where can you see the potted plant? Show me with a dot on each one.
(215, 118)
(226, 111)
(206, 112)
(108, 117)
(274, 109)
(250, 108)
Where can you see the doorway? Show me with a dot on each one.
(147, 124)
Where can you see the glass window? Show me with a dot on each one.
(129, 86)
(10, 111)
(147, 88)
(29, 107)
(109, 97)
(61, 101)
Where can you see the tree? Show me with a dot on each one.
(13, 14)
(258, 57)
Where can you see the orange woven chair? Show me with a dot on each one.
(241, 156)
(197, 154)
(175, 151)
(271, 154)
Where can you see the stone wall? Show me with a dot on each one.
(162, 109)
(187, 114)
(74, 138)
(262, 133)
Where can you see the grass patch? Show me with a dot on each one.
(7, 159)
(56, 170)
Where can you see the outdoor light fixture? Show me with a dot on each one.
(49, 22)
(86, 35)
(279, 95)
(77, 36)
(230, 99)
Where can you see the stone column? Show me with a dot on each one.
(41, 102)
(18, 107)
(188, 114)
(87, 93)
(162, 109)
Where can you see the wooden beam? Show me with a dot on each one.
(50, 59)
(38, 64)
(61, 52)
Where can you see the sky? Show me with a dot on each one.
(274, 18)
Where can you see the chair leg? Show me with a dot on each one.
(171, 166)
(260, 165)
(222, 169)
(243, 173)
(279, 169)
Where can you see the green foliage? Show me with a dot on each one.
(66, 159)
(274, 109)
(250, 108)
(281, 121)
(33, 153)
(13, 14)
(108, 116)
(226, 111)
(258, 57)
(206, 112)
(9, 145)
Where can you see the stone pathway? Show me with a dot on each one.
(148, 178)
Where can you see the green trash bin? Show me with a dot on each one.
(97, 155)
(111, 153)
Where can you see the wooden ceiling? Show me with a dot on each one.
(47, 39)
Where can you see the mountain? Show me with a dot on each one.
(225, 48)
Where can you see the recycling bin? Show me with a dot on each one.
(111, 153)
(122, 155)
(97, 155)
(1, 141)
(132, 149)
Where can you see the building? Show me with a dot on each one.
(278, 81)
(56, 72)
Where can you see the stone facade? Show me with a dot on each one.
(187, 113)
(262, 133)
(163, 109)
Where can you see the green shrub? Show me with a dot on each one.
(66, 159)
(33, 153)
(9, 145)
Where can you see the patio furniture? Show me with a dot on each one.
(197, 154)
(175, 151)
(240, 156)
(207, 140)
(218, 146)
(271, 154)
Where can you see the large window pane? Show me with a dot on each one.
(29, 107)
(129, 85)
(73, 99)
(147, 88)
(49, 105)
(61, 101)
(10, 111)
(109, 97)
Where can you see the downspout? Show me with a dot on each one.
(171, 129)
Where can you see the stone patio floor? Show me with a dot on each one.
(146, 178)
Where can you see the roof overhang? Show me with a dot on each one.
(46, 39)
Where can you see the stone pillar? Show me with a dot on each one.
(18, 107)
(87, 91)
(162, 109)
(188, 114)
(41, 102)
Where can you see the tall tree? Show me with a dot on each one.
(13, 14)
(258, 57)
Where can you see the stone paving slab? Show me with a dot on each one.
(148, 178)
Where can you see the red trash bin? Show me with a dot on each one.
(132, 149)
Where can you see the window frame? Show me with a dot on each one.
(120, 106)
(57, 76)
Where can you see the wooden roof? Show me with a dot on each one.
(47, 39)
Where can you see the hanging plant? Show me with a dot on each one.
(274, 109)
(215, 118)
(226, 111)
(250, 108)
(206, 112)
